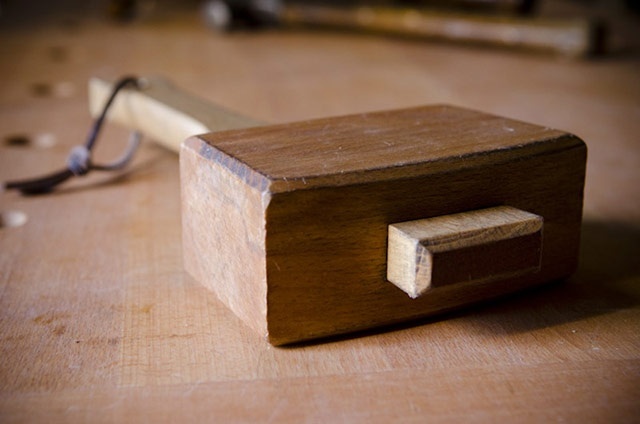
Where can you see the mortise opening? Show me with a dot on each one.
(17, 140)
(12, 219)
(41, 89)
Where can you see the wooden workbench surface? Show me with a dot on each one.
(99, 321)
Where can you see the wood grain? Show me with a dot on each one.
(377, 146)
(99, 322)
(487, 244)
(328, 189)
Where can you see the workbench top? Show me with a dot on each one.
(99, 321)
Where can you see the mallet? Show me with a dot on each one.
(329, 226)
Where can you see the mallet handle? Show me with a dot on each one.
(163, 112)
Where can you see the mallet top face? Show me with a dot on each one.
(375, 146)
(329, 226)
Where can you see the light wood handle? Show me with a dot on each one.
(163, 112)
(476, 246)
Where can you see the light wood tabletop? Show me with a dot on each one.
(99, 322)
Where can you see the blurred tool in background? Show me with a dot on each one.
(126, 10)
(568, 28)
(495, 23)
(575, 37)
(230, 14)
